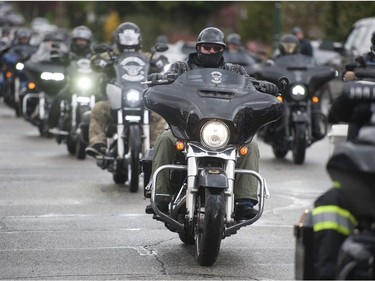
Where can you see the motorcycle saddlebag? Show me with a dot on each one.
(304, 234)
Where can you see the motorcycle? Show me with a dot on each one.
(129, 134)
(213, 113)
(294, 131)
(45, 79)
(85, 89)
(14, 79)
(352, 164)
(244, 59)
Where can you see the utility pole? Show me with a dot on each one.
(277, 24)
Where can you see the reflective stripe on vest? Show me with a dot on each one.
(332, 217)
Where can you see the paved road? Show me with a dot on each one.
(62, 218)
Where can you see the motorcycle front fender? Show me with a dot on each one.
(214, 178)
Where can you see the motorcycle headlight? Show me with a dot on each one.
(83, 83)
(133, 97)
(299, 92)
(56, 76)
(215, 134)
(20, 66)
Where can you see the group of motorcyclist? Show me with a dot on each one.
(211, 49)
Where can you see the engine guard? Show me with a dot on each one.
(230, 228)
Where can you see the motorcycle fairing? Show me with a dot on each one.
(298, 69)
(202, 94)
(34, 69)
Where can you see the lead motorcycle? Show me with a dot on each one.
(294, 131)
(213, 113)
(352, 165)
(129, 134)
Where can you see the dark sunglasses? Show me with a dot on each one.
(208, 47)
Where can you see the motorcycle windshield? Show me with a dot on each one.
(299, 69)
(202, 94)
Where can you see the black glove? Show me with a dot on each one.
(269, 88)
(154, 77)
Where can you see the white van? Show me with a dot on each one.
(358, 40)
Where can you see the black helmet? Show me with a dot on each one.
(128, 36)
(234, 39)
(23, 36)
(211, 35)
(81, 32)
(289, 44)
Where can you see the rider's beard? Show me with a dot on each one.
(210, 60)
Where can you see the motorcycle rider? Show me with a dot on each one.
(236, 53)
(209, 54)
(341, 105)
(290, 45)
(128, 38)
(305, 45)
(366, 59)
(332, 220)
(80, 47)
(21, 42)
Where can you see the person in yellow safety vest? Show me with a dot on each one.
(332, 224)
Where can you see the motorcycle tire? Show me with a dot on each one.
(120, 178)
(279, 153)
(135, 150)
(299, 143)
(80, 149)
(43, 129)
(17, 104)
(71, 144)
(210, 225)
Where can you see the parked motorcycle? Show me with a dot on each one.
(352, 165)
(294, 131)
(46, 75)
(213, 113)
(14, 79)
(129, 134)
(85, 89)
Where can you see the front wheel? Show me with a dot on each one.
(135, 150)
(71, 144)
(80, 148)
(210, 224)
(279, 153)
(299, 143)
